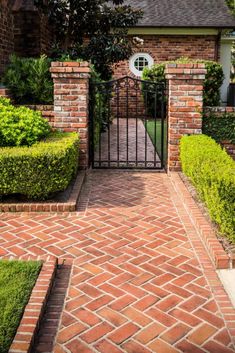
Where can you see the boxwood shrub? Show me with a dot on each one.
(212, 172)
(20, 126)
(40, 170)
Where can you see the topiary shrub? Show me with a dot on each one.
(212, 83)
(20, 126)
(220, 126)
(40, 170)
(29, 80)
(212, 172)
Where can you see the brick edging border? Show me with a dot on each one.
(34, 310)
(69, 206)
(216, 251)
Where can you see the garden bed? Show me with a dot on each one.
(17, 279)
(227, 245)
(219, 257)
(31, 314)
(211, 172)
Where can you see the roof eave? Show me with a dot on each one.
(232, 27)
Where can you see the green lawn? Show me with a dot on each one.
(17, 279)
(150, 126)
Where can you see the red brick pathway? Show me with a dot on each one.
(137, 283)
(140, 146)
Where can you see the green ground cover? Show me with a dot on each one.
(150, 126)
(17, 279)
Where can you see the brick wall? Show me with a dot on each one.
(23, 30)
(6, 34)
(219, 110)
(163, 48)
(5, 92)
(230, 147)
(47, 112)
(31, 30)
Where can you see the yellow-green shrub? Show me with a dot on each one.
(40, 170)
(212, 172)
(20, 126)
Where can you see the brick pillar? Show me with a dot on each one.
(71, 97)
(185, 104)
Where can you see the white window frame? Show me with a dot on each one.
(133, 59)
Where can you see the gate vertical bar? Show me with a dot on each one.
(155, 124)
(99, 122)
(91, 124)
(127, 120)
(136, 132)
(118, 116)
(162, 124)
(108, 122)
(145, 128)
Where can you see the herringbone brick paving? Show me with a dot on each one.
(141, 279)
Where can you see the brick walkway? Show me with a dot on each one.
(137, 149)
(137, 285)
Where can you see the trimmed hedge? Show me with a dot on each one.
(220, 127)
(20, 126)
(212, 172)
(40, 170)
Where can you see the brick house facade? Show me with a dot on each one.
(171, 29)
(23, 30)
(169, 47)
(6, 33)
(32, 33)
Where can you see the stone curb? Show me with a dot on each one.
(216, 251)
(34, 310)
(69, 206)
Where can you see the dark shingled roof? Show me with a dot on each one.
(184, 13)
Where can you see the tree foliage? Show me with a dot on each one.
(231, 5)
(93, 30)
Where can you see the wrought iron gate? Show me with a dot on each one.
(127, 124)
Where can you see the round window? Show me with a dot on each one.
(139, 61)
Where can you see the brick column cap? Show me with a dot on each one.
(70, 67)
(185, 71)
